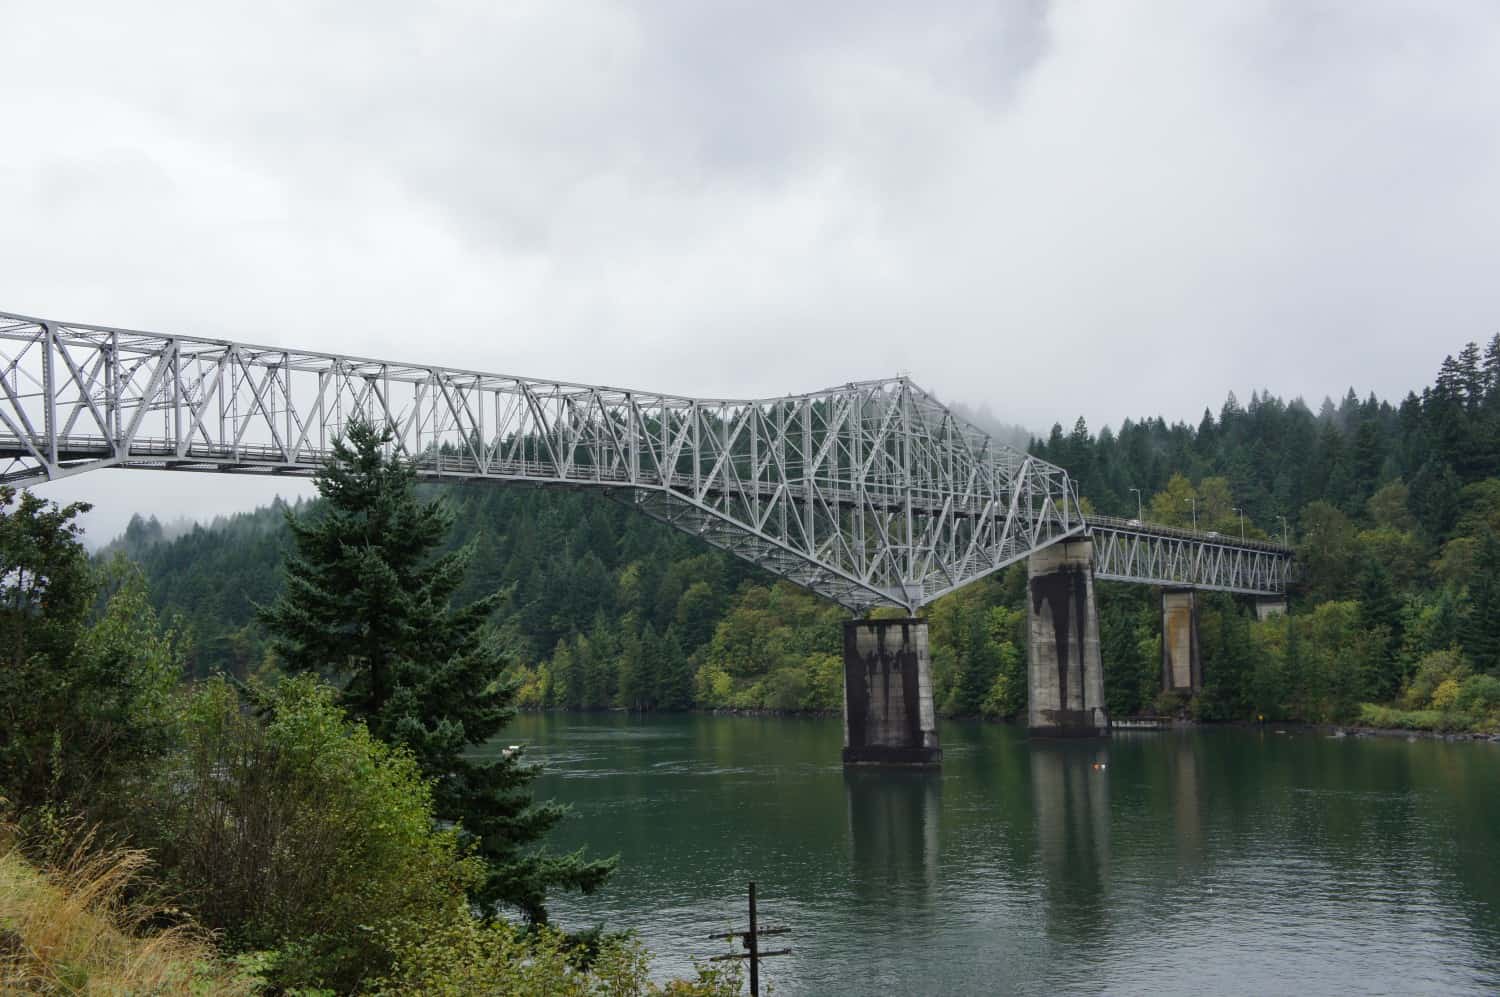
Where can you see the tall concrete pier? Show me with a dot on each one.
(1066, 673)
(1181, 664)
(888, 714)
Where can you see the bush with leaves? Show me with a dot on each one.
(293, 830)
(83, 694)
(1434, 669)
(1479, 695)
(470, 958)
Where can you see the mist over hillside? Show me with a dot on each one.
(1008, 433)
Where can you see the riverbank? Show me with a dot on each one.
(1123, 723)
(1407, 734)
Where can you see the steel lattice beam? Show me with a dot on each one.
(870, 493)
(1131, 551)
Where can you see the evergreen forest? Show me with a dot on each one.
(1393, 509)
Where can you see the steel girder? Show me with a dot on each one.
(870, 493)
(1132, 551)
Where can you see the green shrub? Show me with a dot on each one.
(1389, 717)
(1445, 695)
(83, 693)
(468, 958)
(1479, 694)
(1007, 694)
(786, 689)
(1433, 670)
(825, 682)
(1169, 703)
(293, 830)
(1456, 719)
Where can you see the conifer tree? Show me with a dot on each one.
(675, 671)
(1380, 615)
(1471, 375)
(1481, 632)
(368, 603)
(1492, 371)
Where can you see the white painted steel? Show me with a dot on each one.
(1161, 555)
(869, 493)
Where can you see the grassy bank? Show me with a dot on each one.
(71, 931)
(1449, 721)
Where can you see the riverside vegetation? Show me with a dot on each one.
(315, 831)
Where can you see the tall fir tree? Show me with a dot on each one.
(1380, 615)
(1471, 375)
(1481, 629)
(1492, 372)
(367, 602)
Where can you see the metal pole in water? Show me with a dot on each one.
(753, 942)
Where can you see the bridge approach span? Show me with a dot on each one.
(1127, 550)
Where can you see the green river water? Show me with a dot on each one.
(1211, 861)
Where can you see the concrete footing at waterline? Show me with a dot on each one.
(888, 713)
(1065, 671)
(1181, 662)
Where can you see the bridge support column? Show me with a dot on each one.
(1181, 665)
(1270, 606)
(1066, 673)
(888, 714)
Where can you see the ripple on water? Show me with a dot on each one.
(1200, 863)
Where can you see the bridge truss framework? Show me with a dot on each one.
(871, 493)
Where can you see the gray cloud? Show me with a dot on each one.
(1107, 209)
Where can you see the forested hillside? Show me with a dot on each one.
(1393, 509)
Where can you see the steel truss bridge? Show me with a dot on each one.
(870, 493)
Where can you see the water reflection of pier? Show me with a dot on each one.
(1088, 831)
(1070, 794)
(893, 834)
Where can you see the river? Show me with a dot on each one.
(1207, 861)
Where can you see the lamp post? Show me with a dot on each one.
(1242, 522)
(1139, 515)
(1286, 537)
(1194, 500)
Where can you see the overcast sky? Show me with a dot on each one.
(1111, 208)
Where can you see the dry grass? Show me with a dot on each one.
(71, 931)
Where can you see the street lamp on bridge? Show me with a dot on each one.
(1242, 522)
(1139, 514)
(1194, 500)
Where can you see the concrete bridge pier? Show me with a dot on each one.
(1181, 662)
(1269, 606)
(1066, 674)
(888, 713)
